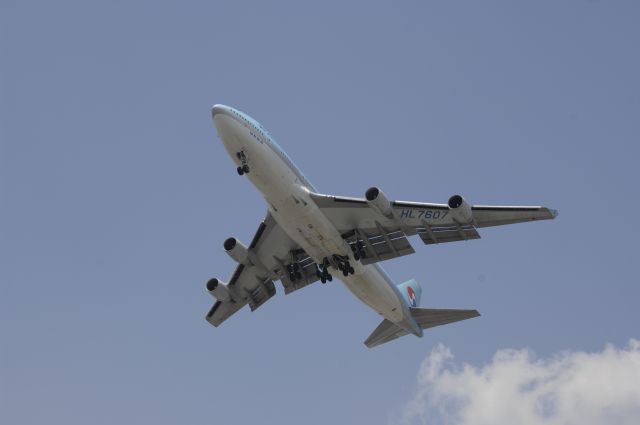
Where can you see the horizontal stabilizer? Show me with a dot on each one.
(385, 332)
(424, 317)
(430, 317)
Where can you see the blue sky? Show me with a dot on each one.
(116, 195)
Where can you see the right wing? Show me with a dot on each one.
(272, 251)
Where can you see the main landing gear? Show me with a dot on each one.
(323, 273)
(358, 250)
(294, 272)
(244, 167)
(344, 265)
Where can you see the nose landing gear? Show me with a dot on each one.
(244, 167)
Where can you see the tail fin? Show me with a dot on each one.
(424, 317)
(411, 292)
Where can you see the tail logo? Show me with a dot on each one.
(412, 296)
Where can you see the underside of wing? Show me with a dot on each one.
(221, 311)
(377, 229)
(272, 255)
(245, 287)
(486, 215)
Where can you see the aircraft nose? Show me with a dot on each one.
(222, 116)
(218, 109)
(225, 123)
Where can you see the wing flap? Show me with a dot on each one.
(379, 244)
(253, 284)
(434, 223)
(307, 269)
(260, 294)
(442, 234)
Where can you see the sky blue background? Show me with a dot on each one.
(116, 195)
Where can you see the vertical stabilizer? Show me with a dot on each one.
(411, 292)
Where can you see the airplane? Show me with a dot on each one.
(307, 237)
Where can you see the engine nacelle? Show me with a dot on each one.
(219, 289)
(460, 210)
(379, 202)
(237, 251)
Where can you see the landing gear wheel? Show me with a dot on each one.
(345, 272)
(351, 270)
(245, 168)
(322, 271)
(240, 171)
(356, 256)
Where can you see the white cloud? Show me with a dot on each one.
(515, 388)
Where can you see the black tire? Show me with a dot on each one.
(245, 168)
(351, 270)
(240, 171)
(356, 256)
(329, 278)
(323, 280)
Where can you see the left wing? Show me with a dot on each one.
(269, 257)
(377, 229)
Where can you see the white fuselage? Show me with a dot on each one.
(286, 192)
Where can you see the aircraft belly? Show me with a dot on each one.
(372, 289)
(237, 137)
(315, 234)
(301, 225)
(304, 222)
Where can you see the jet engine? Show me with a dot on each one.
(237, 250)
(379, 202)
(460, 210)
(218, 289)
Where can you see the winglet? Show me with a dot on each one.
(554, 213)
